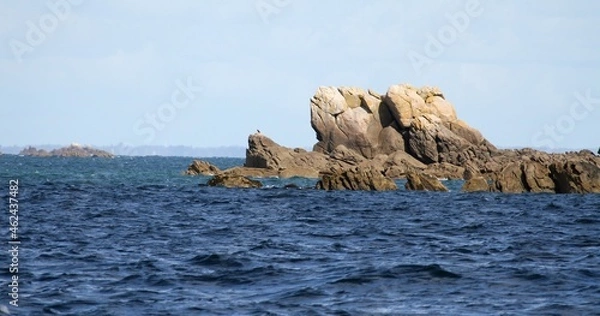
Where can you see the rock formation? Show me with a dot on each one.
(412, 133)
(233, 181)
(200, 167)
(423, 182)
(366, 179)
(73, 150)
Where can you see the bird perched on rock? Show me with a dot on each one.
(258, 131)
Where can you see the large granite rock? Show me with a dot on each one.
(233, 181)
(423, 182)
(73, 150)
(355, 118)
(419, 121)
(201, 167)
(355, 178)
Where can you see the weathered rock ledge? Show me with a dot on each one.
(365, 179)
(233, 181)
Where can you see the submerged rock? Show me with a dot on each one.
(424, 182)
(476, 184)
(233, 181)
(252, 172)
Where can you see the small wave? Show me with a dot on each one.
(238, 276)
(338, 246)
(69, 306)
(145, 265)
(280, 194)
(152, 187)
(130, 278)
(529, 275)
(159, 280)
(74, 188)
(306, 292)
(589, 273)
(215, 260)
(554, 205)
(139, 292)
(400, 271)
(587, 221)
(473, 226)
(434, 270)
(270, 244)
(463, 250)
(216, 202)
(559, 309)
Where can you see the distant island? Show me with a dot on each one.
(147, 150)
(73, 150)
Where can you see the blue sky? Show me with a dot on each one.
(209, 73)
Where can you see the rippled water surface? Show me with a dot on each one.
(132, 236)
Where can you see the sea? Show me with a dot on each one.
(134, 236)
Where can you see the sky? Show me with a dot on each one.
(209, 73)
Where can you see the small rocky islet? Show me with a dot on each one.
(366, 139)
(73, 150)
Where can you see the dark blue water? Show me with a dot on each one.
(132, 236)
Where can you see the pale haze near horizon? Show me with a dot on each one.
(209, 73)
